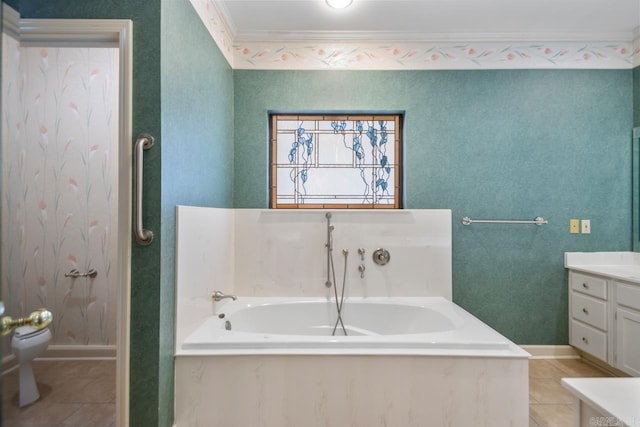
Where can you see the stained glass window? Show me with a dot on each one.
(336, 161)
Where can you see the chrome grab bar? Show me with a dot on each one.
(538, 221)
(144, 142)
(92, 273)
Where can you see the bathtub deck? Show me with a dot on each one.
(466, 374)
(274, 322)
(366, 391)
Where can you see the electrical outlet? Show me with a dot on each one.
(574, 226)
(586, 226)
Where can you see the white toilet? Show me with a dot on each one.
(27, 344)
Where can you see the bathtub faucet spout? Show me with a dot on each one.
(218, 296)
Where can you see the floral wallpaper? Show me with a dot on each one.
(401, 55)
(59, 187)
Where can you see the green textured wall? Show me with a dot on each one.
(636, 161)
(636, 96)
(508, 144)
(197, 134)
(145, 262)
(484, 143)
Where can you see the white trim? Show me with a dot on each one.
(80, 352)
(105, 32)
(603, 365)
(389, 36)
(9, 363)
(222, 11)
(636, 46)
(100, 33)
(10, 21)
(66, 352)
(367, 50)
(125, 202)
(214, 17)
(551, 351)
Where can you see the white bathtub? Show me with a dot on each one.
(425, 325)
(408, 362)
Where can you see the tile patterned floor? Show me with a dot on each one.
(72, 394)
(550, 404)
(82, 393)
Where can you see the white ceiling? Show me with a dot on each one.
(417, 20)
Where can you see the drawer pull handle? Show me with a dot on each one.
(584, 285)
(585, 340)
(585, 311)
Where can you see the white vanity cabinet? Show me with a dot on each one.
(604, 318)
(604, 321)
(627, 340)
(604, 306)
(588, 311)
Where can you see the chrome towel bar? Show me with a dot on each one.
(144, 142)
(538, 221)
(92, 273)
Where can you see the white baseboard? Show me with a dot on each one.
(79, 352)
(551, 351)
(67, 352)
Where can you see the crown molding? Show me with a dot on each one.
(74, 32)
(10, 21)
(225, 18)
(636, 47)
(388, 36)
(215, 18)
(315, 50)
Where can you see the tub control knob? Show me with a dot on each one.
(381, 256)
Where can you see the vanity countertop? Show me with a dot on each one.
(613, 397)
(617, 265)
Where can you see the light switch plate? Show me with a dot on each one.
(574, 226)
(586, 226)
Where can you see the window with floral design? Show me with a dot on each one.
(336, 161)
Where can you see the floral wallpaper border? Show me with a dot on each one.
(433, 56)
(414, 55)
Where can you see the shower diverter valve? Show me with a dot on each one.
(381, 256)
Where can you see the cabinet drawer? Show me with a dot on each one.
(628, 295)
(589, 339)
(589, 310)
(590, 285)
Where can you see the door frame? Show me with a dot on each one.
(635, 189)
(102, 33)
